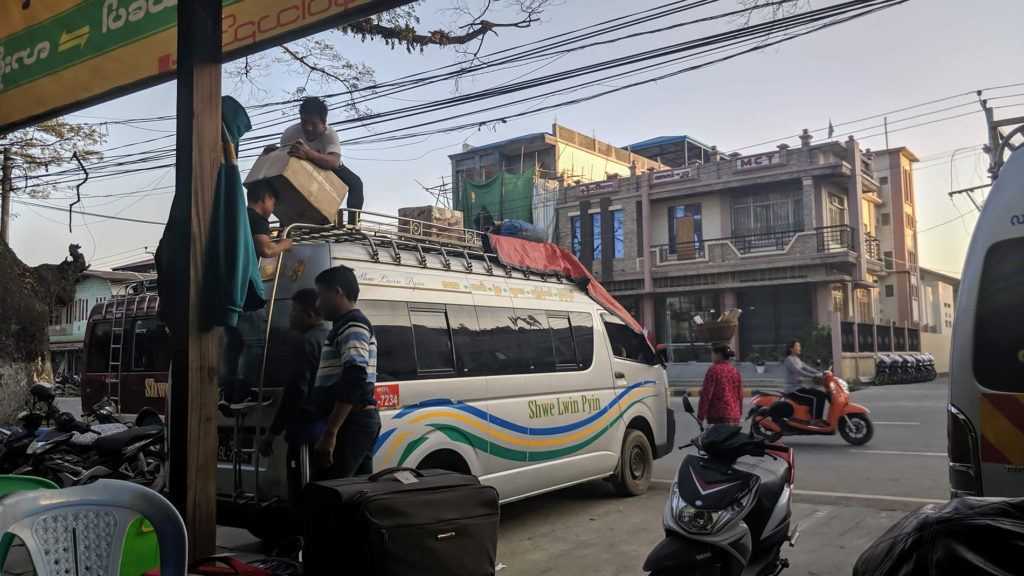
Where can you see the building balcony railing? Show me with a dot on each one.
(829, 239)
(773, 241)
(835, 238)
(872, 247)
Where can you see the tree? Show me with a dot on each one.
(321, 64)
(48, 145)
(30, 296)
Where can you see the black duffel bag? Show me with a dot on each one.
(976, 536)
(401, 521)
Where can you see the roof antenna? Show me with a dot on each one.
(78, 188)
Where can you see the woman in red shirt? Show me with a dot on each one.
(721, 396)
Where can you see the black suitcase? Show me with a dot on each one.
(443, 523)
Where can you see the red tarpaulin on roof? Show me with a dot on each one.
(550, 259)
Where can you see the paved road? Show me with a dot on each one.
(906, 457)
(845, 496)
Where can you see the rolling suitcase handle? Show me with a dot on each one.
(388, 471)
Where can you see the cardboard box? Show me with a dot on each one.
(306, 193)
(432, 222)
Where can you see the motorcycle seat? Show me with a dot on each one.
(115, 442)
(765, 393)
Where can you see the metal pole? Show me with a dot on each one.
(5, 189)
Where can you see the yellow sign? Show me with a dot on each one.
(107, 48)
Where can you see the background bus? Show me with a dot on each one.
(127, 354)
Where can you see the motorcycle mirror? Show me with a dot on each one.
(687, 406)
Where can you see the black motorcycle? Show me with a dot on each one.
(75, 453)
(15, 440)
(728, 511)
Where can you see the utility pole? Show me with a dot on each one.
(999, 142)
(5, 190)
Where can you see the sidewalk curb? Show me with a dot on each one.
(695, 392)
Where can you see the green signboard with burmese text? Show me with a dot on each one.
(57, 56)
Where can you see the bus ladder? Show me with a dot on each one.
(117, 345)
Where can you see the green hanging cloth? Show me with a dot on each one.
(502, 197)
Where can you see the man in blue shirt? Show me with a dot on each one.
(345, 381)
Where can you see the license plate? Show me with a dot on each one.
(226, 449)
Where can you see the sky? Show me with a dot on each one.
(890, 62)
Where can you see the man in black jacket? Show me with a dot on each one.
(297, 417)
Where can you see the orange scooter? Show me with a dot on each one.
(850, 420)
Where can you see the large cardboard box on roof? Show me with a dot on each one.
(433, 222)
(306, 193)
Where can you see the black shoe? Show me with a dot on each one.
(249, 401)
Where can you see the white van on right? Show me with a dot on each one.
(985, 425)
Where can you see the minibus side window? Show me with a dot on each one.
(561, 337)
(502, 351)
(396, 356)
(470, 356)
(151, 349)
(98, 361)
(583, 334)
(629, 345)
(998, 333)
(535, 337)
(434, 355)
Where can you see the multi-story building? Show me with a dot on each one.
(900, 292)
(938, 298)
(938, 302)
(560, 154)
(786, 235)
(68, 323)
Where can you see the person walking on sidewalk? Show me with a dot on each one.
(803, 395)
(345, 381)
(721, 395)
(314, 141)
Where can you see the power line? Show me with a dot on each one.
(121, 218)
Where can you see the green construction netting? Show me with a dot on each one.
(503, 197)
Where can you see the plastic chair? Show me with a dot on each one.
(9, 484)
(80, 531)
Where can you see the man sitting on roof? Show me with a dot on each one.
(314, 141)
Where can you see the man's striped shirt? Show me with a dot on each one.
(348, 364)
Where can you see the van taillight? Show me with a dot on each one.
(962, 448)
(958, 437)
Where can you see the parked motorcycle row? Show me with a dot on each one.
(904, 368)
(73, 452)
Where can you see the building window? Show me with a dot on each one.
(889, 291)
(887, 257)
(884, 180)
(863, 306)
(618, 235)
(487, 172)
(911, 258)
(886, 219)
(908, 187)
(910, 221)
(759, 212)
(692, 213)
(836, 210)
(839, 300)
(574, 225)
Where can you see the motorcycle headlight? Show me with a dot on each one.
(843, 385)
(707, 521)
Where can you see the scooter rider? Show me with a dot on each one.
(804, 395)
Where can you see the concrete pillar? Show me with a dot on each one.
(809, 201)
(854, 195)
